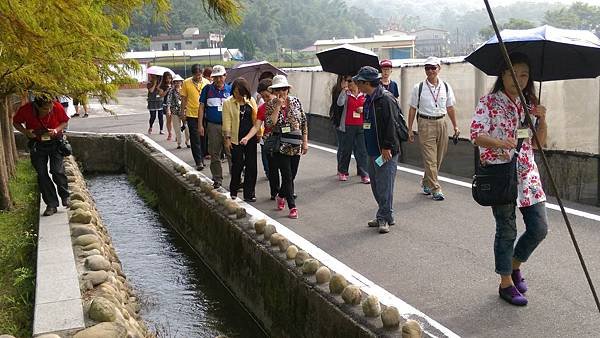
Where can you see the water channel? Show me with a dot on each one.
(180, 295)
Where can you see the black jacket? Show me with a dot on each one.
(383, 105)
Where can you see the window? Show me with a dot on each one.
(188, 43)
(178, 45)
(165, 46)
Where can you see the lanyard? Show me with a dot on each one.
(435, 97)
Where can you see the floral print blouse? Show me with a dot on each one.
(292, 116)
(498, 117)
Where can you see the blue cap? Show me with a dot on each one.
(367, 73)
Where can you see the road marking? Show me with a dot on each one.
(551, 206)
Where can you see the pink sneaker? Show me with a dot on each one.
(365, 179)
(342, 177)
(280, 203)
(293, 213)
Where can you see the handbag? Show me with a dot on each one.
(272, 143)
(495, 184)
(64, 147)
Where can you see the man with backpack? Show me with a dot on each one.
(381, 132)
(430, 102)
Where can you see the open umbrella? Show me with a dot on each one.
(555, 54)
(347, 59)
(251, 71)
(159, 70)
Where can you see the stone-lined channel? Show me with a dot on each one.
(180, 296)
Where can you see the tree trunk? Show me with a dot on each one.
(11, 113)
(8, 138)
(5, 199)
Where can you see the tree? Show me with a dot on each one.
(488, 32)
(56, 47)
(578, 16)
(237, 39)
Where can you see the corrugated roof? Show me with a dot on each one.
(376, 38)
(180, 53)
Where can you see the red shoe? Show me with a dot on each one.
(280, 203)
(293, 213)
(365, 179)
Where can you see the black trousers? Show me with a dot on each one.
(273, 175)
(288, 166)
(40, 154)
(243, 158)
(195, 141)
(153, 114)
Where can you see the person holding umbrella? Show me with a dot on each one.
(155, 103)
(430, 102)
(496, 126)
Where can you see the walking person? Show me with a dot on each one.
(350, 132)
(78, 101)
(211, 110)
(270, 167)
(382, 143)
(174, 108)
(386, 80)
(496, 126)
(155, 103)
(285, 114)
(430, 102)
(239, 117)
(190, 98)
(43, 122)
(166, 84)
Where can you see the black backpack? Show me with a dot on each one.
(398, 117)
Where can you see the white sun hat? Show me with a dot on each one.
(280, 81)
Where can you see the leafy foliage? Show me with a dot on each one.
(486, 33)
(578, 16)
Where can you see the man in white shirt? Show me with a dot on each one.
(431, 101)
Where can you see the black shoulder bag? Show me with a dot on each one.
(495, 184)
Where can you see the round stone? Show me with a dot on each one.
(85, 240)
(284, 244)
(80, 230)
(95, 277)
(275, 238)
(97, 262)
(259, 226)
(337, 284)
(79, 205)
(412, 329)
(291, 252)
(310, 266)
(102, 310)
(301, 256)
(352, 295)
(269, 231)
(104, 330)
(77, 196)
(80, 216)
(323, 275)
(371, 306)
(390, 317)
(240, 212)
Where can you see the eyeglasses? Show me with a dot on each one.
(430, 68)
(348, 80)
(280, 89)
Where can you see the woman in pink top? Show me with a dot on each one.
(351, 137)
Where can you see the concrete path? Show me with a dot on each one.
(438, 257)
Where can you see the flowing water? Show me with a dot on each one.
(180, 296)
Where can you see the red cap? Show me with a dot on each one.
(385, 63)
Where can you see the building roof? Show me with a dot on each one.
(181, 53)
(191, 31)
(376, 38)
(430, 29)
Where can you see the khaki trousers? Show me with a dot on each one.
(215, 148)
(433, 139)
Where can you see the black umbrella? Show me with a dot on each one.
(347, 59)
(555, 54)
(251, 71)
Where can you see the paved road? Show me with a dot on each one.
(437, 258)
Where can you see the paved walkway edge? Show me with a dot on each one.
(58, 306)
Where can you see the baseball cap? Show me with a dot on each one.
(367, 73)
(218, 70)
(385, 63)
(433, 61)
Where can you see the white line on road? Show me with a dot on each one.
(552, 206)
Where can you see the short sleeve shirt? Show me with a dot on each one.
(26, 115)
(392, 87)
(498, 117)
(212, 98)
(434, 99)
(191, 91)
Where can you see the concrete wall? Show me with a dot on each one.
(573, 106)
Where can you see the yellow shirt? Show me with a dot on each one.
(231, 118)
(192, 91)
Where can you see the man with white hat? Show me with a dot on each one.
(431, 101)
(211, 109)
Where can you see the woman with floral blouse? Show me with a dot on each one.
(498, 122)
(284, 114)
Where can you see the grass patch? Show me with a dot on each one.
(18, 240)
(145, 193)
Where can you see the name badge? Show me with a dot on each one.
(286, 129)
(45, 137)
(523, 133)
(220, 107)
(366, 125)
(356, 115)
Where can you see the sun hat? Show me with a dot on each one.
(432, 61)
(367, 73)
(218, 70)
(280, 81)
(385, 63)
(177, 78)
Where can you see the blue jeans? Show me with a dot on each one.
(382, 185)
(536, 228)
(352, 140)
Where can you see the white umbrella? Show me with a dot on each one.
(159, 70)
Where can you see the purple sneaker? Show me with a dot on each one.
(512, 295)
(519, 281)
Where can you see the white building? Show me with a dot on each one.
(191, 38)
